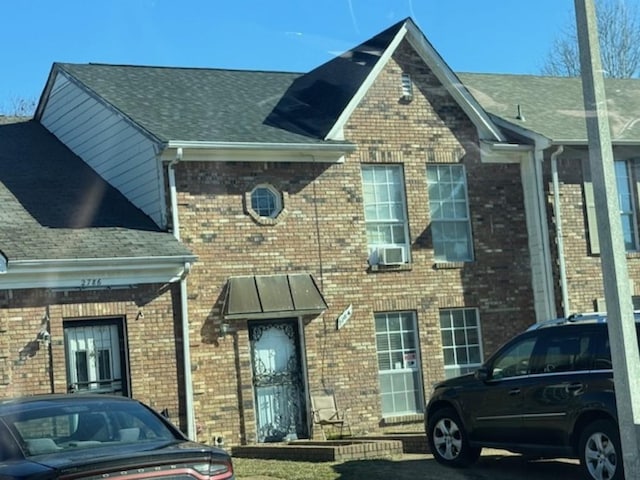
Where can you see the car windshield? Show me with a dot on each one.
(56, 429)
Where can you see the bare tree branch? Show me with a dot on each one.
(619, 30)
(19, 107)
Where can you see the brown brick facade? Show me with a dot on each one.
(29, 366)
(322, 232)
(583, 268)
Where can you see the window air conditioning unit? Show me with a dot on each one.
(391, 256)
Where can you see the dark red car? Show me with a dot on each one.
(81, 436)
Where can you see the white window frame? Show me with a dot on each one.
(626, 172)
(449, 210)
(460, 348)
(385, 209)
(89, 340)
(398, 348)
(277, 200)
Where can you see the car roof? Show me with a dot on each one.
(53, 400)
(577, 318)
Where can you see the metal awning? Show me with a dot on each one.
(272, 296)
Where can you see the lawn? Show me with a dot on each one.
(260, 469)
(254, 469)
(494, 465)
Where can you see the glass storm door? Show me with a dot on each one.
(94, 358)
(278, 381)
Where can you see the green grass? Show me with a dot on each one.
(246, 468)
(260, 469)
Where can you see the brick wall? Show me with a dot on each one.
(28, 366)
(583, 269)
(322, 232)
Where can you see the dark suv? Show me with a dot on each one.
(547, 392)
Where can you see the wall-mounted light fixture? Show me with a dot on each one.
(44, 336)
(226, 329)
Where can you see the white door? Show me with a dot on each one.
(94, 359)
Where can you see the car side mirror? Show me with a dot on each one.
(482, 374)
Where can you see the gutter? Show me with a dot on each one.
(184, 311)
(559, 235)
(330, 147)
(102, 262)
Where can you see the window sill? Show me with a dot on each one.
(412, 418)
(390, 268)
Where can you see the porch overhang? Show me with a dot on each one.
(272, 296)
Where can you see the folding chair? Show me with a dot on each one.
(327, 414)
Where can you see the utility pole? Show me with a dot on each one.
(620, 318)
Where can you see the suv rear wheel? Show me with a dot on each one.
(448, 440)
(600, 451)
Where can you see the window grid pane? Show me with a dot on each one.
(384, 208)
(398, 365)
(461, 340)
(627, 202)
(448, 205)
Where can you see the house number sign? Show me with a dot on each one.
(344, 317)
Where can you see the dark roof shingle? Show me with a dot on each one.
(553, 106)
(54, 206)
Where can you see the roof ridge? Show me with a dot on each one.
(169, 67)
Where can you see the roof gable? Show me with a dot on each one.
(242, 107)
(383, 46)
(314, 102)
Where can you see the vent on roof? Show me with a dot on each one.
(407, 87)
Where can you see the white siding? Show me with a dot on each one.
(115, 149)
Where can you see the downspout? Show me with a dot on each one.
(559, 236)
(549, 289)
(186, 350)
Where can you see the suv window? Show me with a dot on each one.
(564, 350)
(514, 361)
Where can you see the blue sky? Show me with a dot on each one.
(500, 36)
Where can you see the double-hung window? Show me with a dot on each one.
(398, 364)
(385, 214)
(449, 208)
(461, 345)
(626, 179)
(627, 173)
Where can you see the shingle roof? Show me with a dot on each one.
(314, 101)
(212, 105)
(553, 106)
(56, 207)
(190, 104)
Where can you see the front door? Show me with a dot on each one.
(95, 357)
(278, 380)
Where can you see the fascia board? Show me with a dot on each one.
(540, 141)
(454, 86)
(83, 276)
(506, 153)
(337, 131)
(256, 152)
(44, 96)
